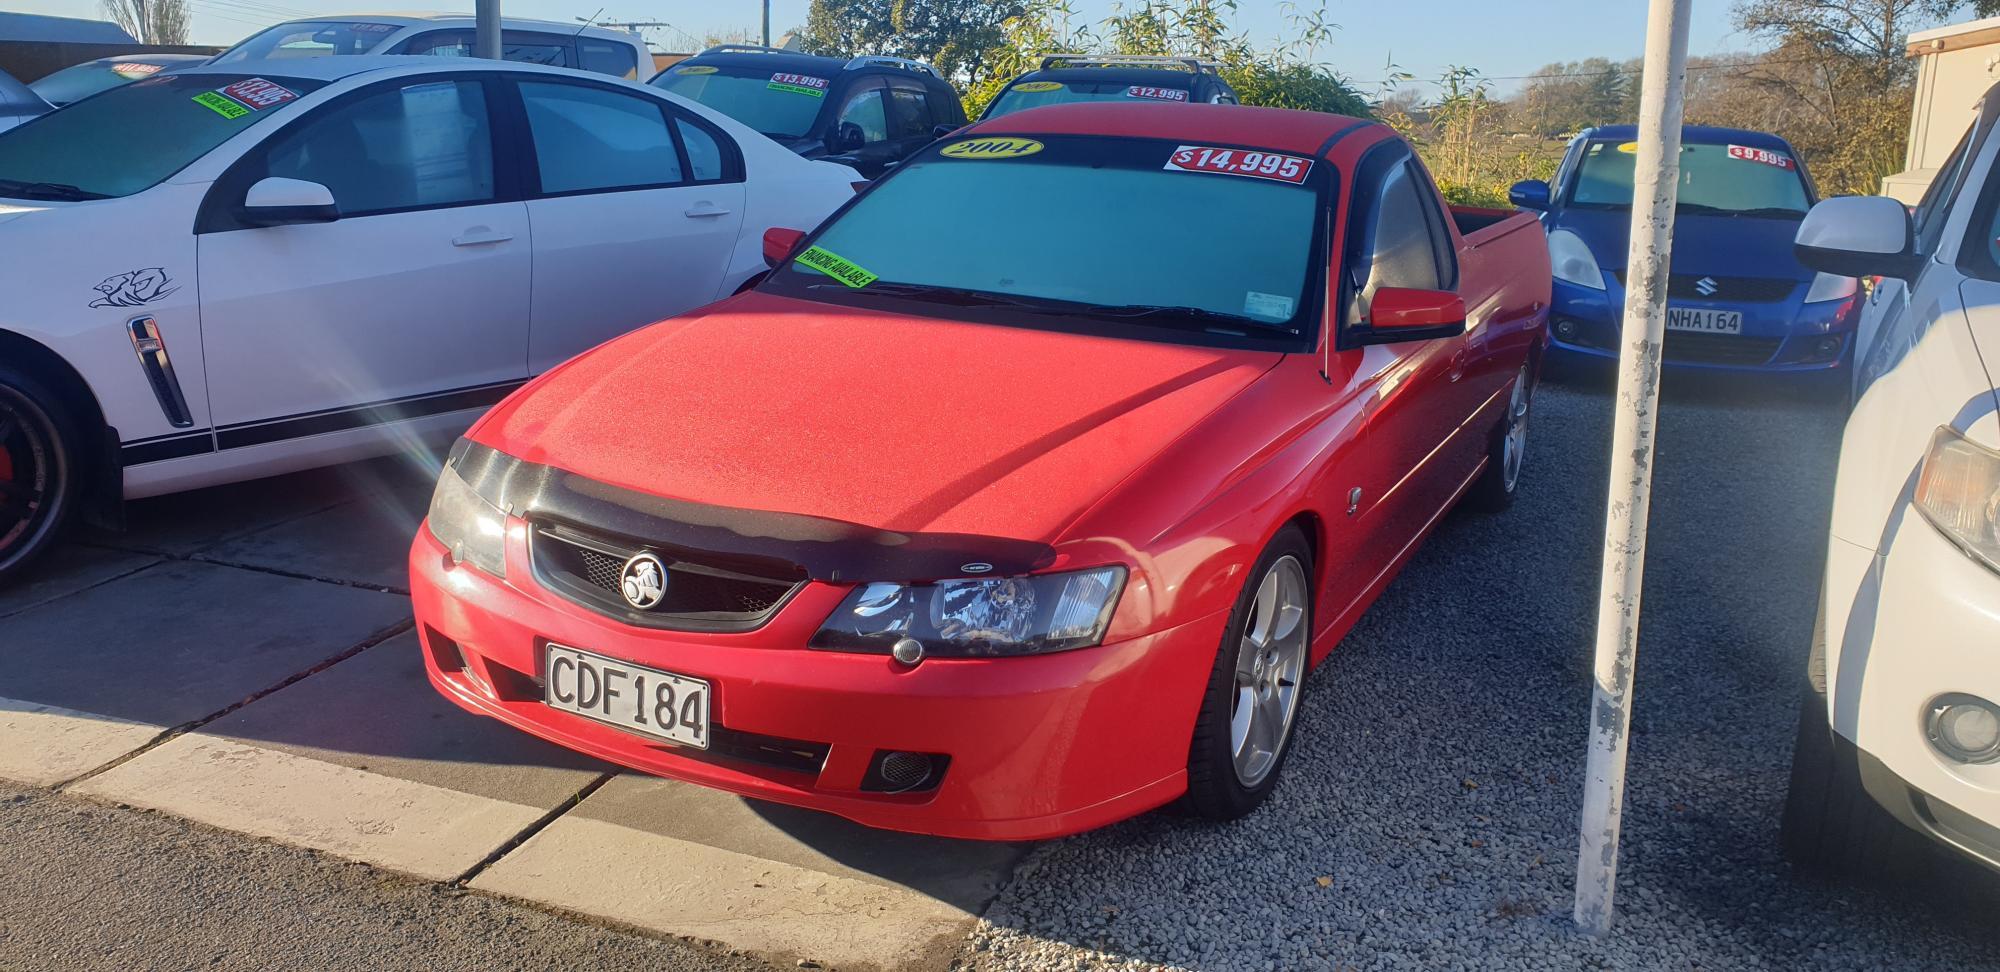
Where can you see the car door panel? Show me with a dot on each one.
(420, 288)
(628, 229)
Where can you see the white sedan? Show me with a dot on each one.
(247, 269)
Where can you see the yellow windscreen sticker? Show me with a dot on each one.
(1629, 148)
(1038, 86)
(991, 148)
(697, 69)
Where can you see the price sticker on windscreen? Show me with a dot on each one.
(1240, 162)
(804, 84)
(258, 94)
(1766, 156)
(1156, 94)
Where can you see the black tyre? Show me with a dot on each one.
(1507, 452)
(41, 473)
(1251, 703)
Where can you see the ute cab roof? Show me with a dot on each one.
(1307, 133)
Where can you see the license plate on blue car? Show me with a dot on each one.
(1704, 320)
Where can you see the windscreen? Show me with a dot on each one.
(1034, 94)
(130, 138)
(80, 81)
(781, 104)
(310, 38)
(1734, 180)
(1177, 239)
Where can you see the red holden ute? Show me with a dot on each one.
(1021, 496)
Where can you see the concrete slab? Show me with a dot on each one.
(66, 570)
(965, 874)
(375, 712)
(48, 744)
(428, 831)
(681, 887)
(365, 540)
(183, 523)
(182, 640)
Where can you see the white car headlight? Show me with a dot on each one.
(1827, 286)
(1959, 492)
(474, 530)
(1572, 262)
(1030, 614)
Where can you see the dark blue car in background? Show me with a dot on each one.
(1737, 297)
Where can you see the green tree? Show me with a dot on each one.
(959, 37)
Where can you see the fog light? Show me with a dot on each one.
(1565, 328)
(1826, 349)
(897, 771)
(1965, 728)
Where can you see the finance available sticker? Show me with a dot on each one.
(835, 266)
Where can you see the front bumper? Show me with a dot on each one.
(1038, 747)
(1923, 621)
(1778, 337)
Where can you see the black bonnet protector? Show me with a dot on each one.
(761, 542)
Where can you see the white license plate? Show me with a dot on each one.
(1704, 320)
(632, 697)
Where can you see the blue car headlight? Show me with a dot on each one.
(1031, 614)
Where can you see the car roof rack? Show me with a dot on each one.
(905, 63)
(1194, 64)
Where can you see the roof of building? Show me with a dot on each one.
(61, 30)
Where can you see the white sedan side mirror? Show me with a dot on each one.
(277, 202)
(1859, 236)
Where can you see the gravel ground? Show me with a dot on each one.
(88, 887)
(1427, 819)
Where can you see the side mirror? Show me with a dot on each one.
(1529, 194)
(1859, 236)
(1399, 314)
(779, 243)
(942, 131)
(279, 202)
(846, 138)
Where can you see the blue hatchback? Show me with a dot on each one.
(1737, 297)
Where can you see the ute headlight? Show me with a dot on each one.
(1031, 614)
(1571, 261)
(1959, 492)
(1827, 286)
(474, 530)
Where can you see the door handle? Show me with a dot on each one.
(704, 211)
(1457, 364)
(480, 235)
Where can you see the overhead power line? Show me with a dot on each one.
(1594, 74)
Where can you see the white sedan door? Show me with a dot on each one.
(636, 207)
(413, 302)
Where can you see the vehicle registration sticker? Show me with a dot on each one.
(1240, 162)
(1156, 94)
(632, 697)
(1704, 320)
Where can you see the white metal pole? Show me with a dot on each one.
(486, 29)
(1655, 187)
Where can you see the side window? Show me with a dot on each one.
(868, 110)
(946, 109)
(1447, 261)
(439, 43)
(607, 57)
(590, 139)
(1929, 216)
(417, 146)
(704, 151)
(514, 46)
(1395, 247)
(909, 112)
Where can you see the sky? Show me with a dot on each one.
(1503, 39)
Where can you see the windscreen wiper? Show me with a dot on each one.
(59, 191)
(955, 296)
(1778, 211)
(1149, 312)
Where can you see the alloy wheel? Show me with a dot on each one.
(1270, 663)
(27, 477)
(1515, 445)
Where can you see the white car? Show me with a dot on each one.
(594, 49)
(1900, 733)
(241, 270)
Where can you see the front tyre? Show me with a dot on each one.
(1248, 710)
(1494, 491)
(40, 472)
